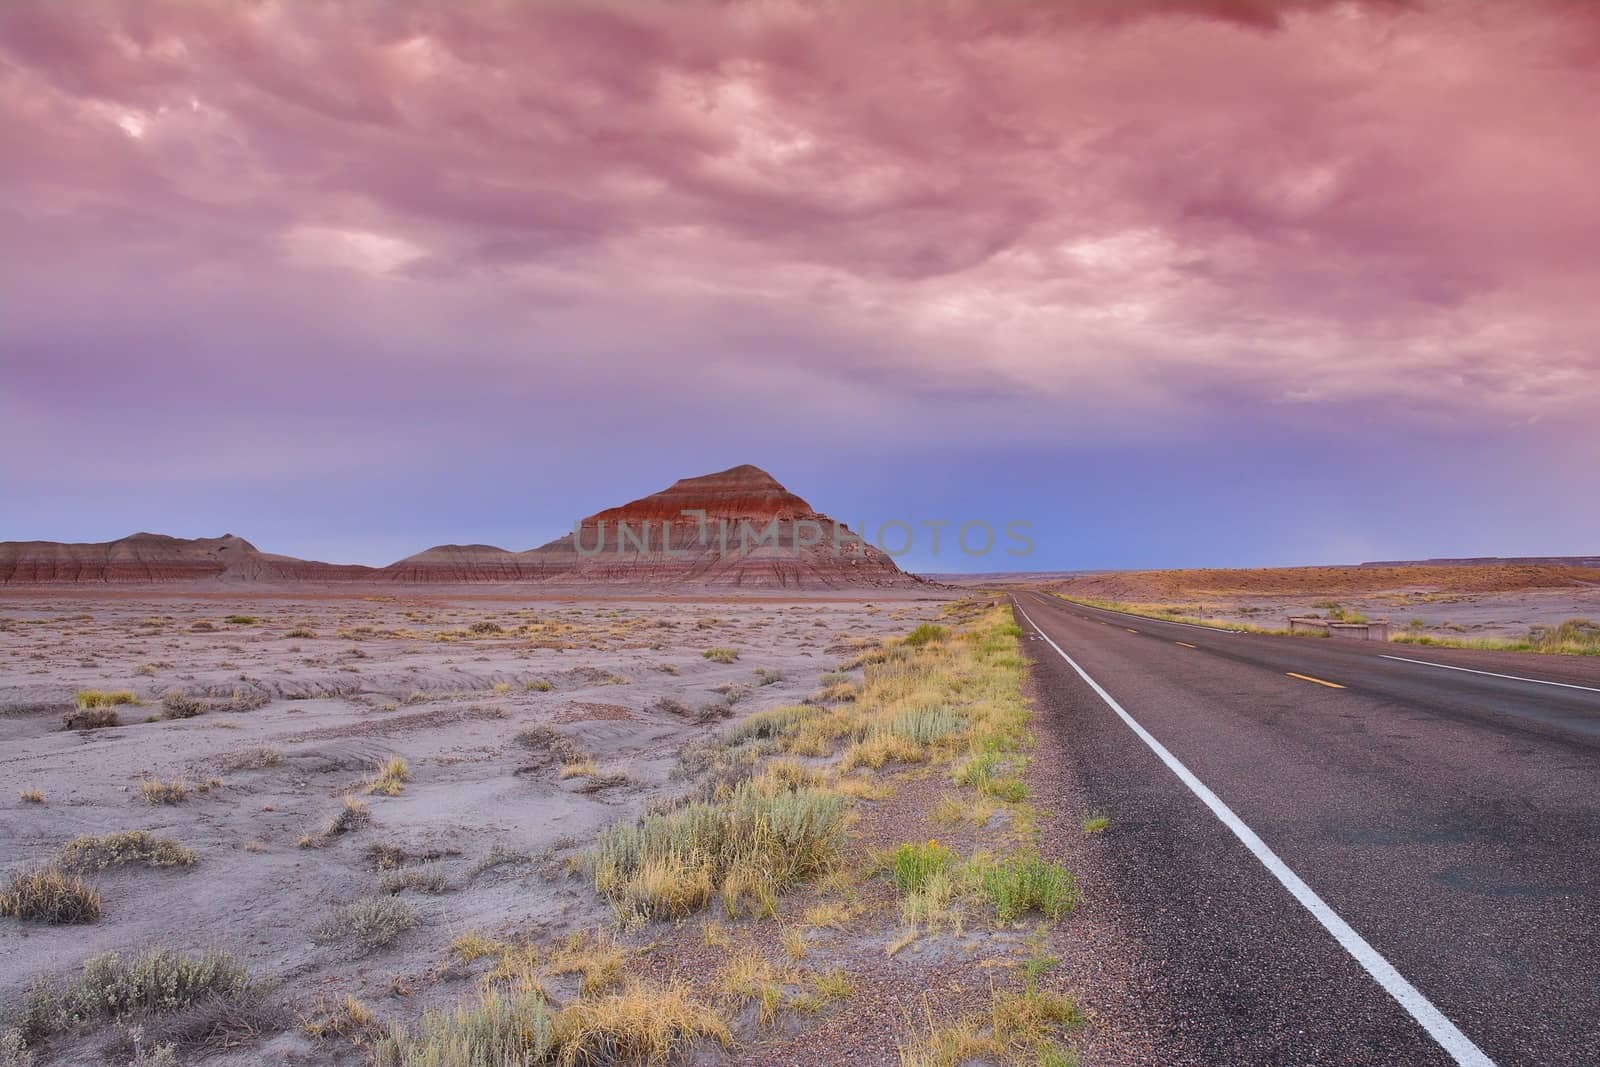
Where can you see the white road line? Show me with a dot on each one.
(1492, 674)
(1452, 1040)
(1146, 618)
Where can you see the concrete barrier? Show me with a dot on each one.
(1377, 630)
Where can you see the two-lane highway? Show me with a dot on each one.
(1335, 852)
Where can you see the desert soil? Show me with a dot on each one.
(305, 701)
(1503, 600)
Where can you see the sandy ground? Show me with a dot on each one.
(1446, 602)
(365, 678)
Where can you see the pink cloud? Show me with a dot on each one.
(1103, 208)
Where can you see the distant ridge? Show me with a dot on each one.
(1493, 561)
(802, 548)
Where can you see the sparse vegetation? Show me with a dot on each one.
(95, 698)
(180, 705)
(372, 923)
(90, 719)
(1572, 637)
(241, 620)
(86, 853)
(500, 856)
(497, 1028)
(429, 878)
(391, 778)
(156, 791)
(348, 1019)
(1096, 822)
(640, 1024)
(50, 895)
(1025, 883)
(551, 744)
(748, 847)
(720, 655)
(150, 983)
(1019, 1028)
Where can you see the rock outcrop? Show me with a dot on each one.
(736, 528)
(148, 557)
(739, 527)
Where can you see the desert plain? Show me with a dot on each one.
(448, 762)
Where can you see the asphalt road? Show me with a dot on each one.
(1444, 824)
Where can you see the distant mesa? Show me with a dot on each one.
(747, 531)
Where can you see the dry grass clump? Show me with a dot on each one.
(597, 959)
(354, 815)
(721, 655)
(641, 1024)
(474, 945)
(30, 796)
(429, 878)
(372, 923)
(95, 698)
(155, 791)
(250, 759)
(748, 977)
(550, 744)
(50, 895)
(391, 778)
(90, 719)
(1019, 1028)
(770, 724)
(497, 1028)
(748, 846)
(304, 632)
(349, 1019)
(180, 705)
(88, 853)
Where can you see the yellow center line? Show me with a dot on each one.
(1317, 681)
(1130, 631)
(1185, 644)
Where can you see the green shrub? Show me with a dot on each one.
(912, 865)
(926, 726)
(926, 633)
(665, 865)
(1027, 883)
(242, 620)
(720, 655)
(158, 980)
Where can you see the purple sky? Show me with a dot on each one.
(1179, 283)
